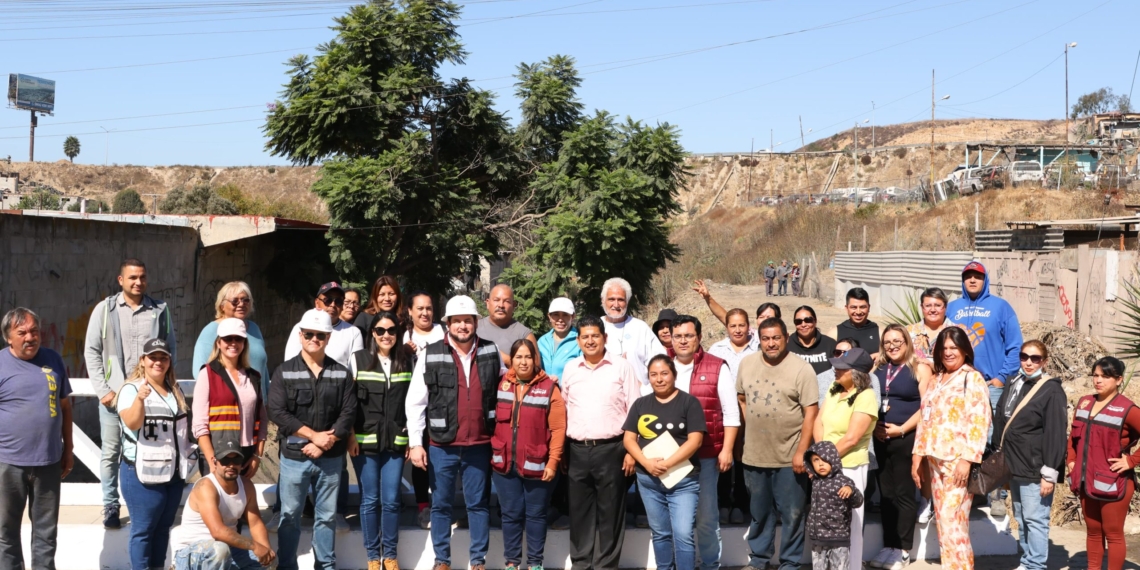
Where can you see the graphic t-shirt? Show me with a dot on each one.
(679, 417)
(774, 401)
(837, 414)
(31, 420)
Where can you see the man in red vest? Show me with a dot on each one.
(711, 381)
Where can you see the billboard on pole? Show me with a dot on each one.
(31, 93)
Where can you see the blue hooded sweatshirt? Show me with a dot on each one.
(993, 328)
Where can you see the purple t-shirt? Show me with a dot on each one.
(31, 416)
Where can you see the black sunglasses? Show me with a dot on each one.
(1034, 358)
(239, 301)
(808, 320)
(838, 353)
(320, 335)
(381, 331)
(230, 460)
(338, 301)
(233, 339)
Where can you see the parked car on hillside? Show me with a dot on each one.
(1026, 171)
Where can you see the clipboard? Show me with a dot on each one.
(663, 447)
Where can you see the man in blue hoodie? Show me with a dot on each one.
(994, 332)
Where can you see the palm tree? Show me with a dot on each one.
(71, 148)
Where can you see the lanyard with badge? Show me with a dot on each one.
(890, 377)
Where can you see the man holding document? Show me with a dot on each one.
(663, 432)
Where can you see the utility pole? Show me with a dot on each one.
(106, 147)
(855, 137)
(872, 124)
(771, 142)
(803, 149)
(751, 158)
(933, 195)
(1061, 174)
(32, 139)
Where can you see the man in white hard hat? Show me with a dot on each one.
(312, 400)
(453, 394)
(626, 335)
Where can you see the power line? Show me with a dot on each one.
(1018, 84)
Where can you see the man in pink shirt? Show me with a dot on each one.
(599, 388)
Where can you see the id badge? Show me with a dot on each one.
(886, 405)
(926, 414)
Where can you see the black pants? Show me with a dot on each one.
(38, 489)
(597, 504)
(898, 508)
(420, 486)
(731, 492)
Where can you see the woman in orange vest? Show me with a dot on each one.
(1104, 480)
(526, 447)
(228, 403)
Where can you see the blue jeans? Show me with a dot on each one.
(995, 395)
(111, 434)
(708, 516)
(776, 492)
(523, 501)
(473, 464)
(1032, 513)
(783, 287)
(672, 514)
(214, 555)
(380, 475)
(153, 508)
(297, 477)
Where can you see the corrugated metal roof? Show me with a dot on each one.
(919, 269)
(1115, 220)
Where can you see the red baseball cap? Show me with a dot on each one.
(974, 266)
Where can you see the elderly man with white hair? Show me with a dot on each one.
(626, 335)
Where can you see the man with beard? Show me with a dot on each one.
(626, 336)
(208, 538)
(452, 397)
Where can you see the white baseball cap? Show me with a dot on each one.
(460, 305)
(561, 305)
(315, 320)
(231, 327)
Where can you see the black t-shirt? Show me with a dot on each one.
(679, 417)
(818, 355)
(867, 335)
(902, 396)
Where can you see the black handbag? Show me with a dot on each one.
(993, 472)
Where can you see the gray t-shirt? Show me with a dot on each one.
(503, 337)
(31, 418)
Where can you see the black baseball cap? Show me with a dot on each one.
(854, 359)
(156, 345)
(227, 448)
(665, 315)
(330, 286)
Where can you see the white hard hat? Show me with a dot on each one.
(460, 305)
(316, 320)
(561, 305)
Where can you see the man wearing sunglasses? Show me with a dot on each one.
(313, 402)
(345, 338)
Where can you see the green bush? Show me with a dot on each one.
(128, 202)
(40, 200)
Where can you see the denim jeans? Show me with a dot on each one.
(995, 395)
(214, 555)
(153, 509)
(380, 475)
(297, 477)
(37, 489)
(1032, 513)
(524, 503)
(708, 516)
(672, 514)
(783, 287)
(111, 434)
(472, 463)
(776, 492)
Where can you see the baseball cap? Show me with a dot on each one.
(331, 285)
(227, 448)
(460, 305)
(854, 359)
(561, 305)
(974, 266)
(231, 327)
(316, 320)
(156, 345)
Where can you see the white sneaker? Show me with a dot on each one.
(341, 523)
(897, 561)
(274, 522)
(724, 516)
(881, 558)
(925, 511)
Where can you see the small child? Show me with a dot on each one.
(833, 495)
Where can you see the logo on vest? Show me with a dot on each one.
(505, 386)
(538, 392)
(1085, 404)
(1116, 408)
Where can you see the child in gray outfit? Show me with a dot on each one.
(833, 495)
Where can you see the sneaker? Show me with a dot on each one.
(925, 510)
(997, 505)
(736, 517)
(881, 558)
(561, 523)
(642, 521)
(479, 567)
(341, 523)
(535, 568)
(274, 522)
(441, 566)
(390, 564)
(111, 517)
(423, 518)
(898, 560)
(511, 566)
(375, 565)
(724, 516)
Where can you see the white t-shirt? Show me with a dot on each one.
(422, 340)
(633, 340)
(724, 349)
(344, 341)
(725, 390)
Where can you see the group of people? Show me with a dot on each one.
(789, 427)
(780, 276)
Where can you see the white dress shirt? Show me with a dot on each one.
(725, 390)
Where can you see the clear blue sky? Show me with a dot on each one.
(829, 60)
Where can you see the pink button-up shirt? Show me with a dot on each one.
(598, 399)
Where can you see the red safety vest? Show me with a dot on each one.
(703, 387)
(225, 407)
(522, 435)
(1097, 439)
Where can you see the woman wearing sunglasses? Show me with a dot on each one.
(158, 453)
(234, 301)
(816, 348)
(228, 401)
(1030, 425)
(379, 445)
